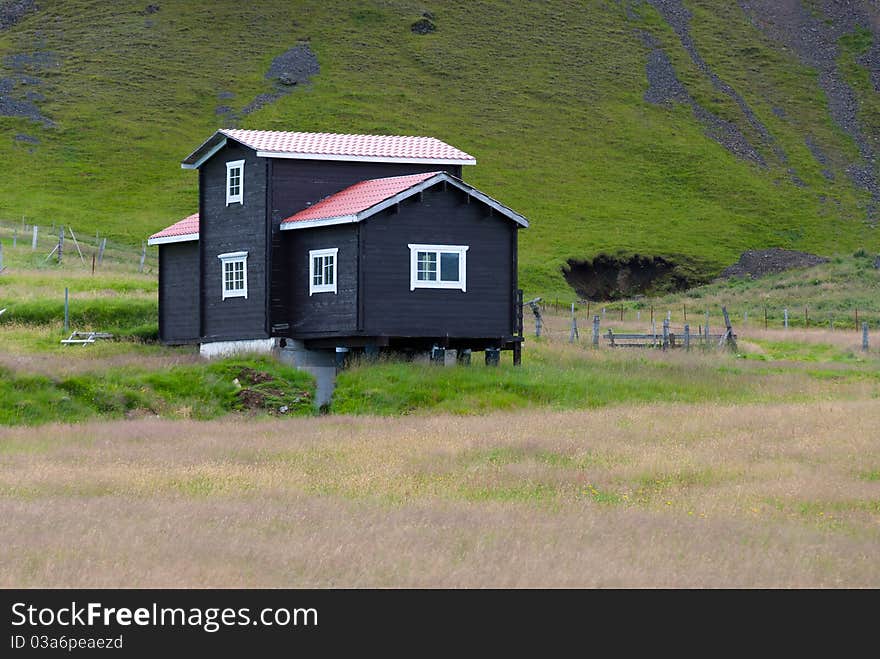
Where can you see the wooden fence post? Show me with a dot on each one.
(596, 331)
(14, 238)
(687, 337)
(34, 241)
(101, 251)
(574, 326)
(729, 336)
(765, 317)
(1, 257)
(143, 256)
(666, 334)
(66, 311)
(865, 337)
(785, 318)
(60, 242)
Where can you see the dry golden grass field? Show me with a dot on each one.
(695, 495)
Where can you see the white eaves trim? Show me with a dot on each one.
(323, 222)
(405, 194)
(329, 156)
(183, 238)
(198, 163)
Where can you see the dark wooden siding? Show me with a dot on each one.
(233, 228)
(179, 292)
(390, 308)
(322, 312)
(297, 184)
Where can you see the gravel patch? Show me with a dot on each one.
(424, 25)
(12, 11)
(18, 98)
(820, 156)
(293, 67)
(757, 263)
(665, 87)
(38, 61)
(813, 38)
(29, 139)
(14, 104)
(678, 17)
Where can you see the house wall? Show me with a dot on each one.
(297, 184)
(390, 308)
(179, 292)
(321, 313)
(233, 228)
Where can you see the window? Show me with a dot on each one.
(235, 182)
(233, 267)
(322, 270)
(438, 266)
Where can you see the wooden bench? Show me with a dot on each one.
(85, 338)
(625, 340)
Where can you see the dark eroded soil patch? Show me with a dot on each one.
(608, 277)
(760, 262)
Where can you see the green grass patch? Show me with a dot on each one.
(200, 391)
(563, 381)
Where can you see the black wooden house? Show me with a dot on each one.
(338, 241)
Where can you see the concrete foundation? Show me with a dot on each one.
(321, 364)
(231, 348)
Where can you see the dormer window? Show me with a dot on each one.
(235, 182)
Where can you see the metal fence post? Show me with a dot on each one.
(66, 311)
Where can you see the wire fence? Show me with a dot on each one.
(557, 317)
(37, 244)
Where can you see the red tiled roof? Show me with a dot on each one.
(185, 227)
(358, 197)
(355, 146)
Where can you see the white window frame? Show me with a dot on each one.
(323, 253)
(237, 198)
(230, 258)
(415, 282)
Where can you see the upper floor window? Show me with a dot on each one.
(233, 266)
(235, 182)
(438, 266)
(322, 270)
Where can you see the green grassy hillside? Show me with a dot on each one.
(548, 96)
